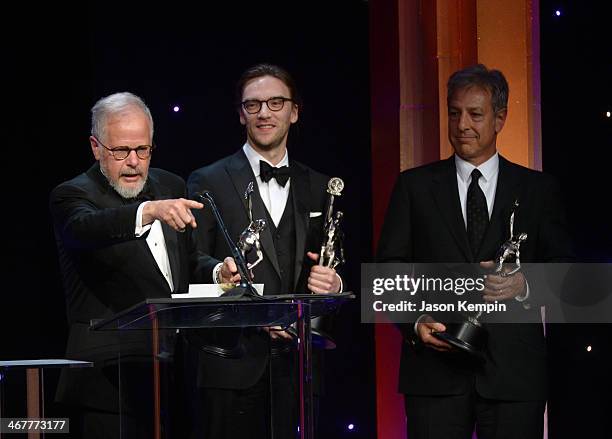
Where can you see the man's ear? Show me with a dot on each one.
(242, 114)
(95, 148)
(500, 119)
(294, 113)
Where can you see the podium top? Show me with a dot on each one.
(218, 312)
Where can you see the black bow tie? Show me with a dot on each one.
(267, 172)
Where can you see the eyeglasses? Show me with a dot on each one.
(253, 106)
(122, 152)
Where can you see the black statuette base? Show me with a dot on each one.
(467, 336)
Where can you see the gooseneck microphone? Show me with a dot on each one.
(245, 289)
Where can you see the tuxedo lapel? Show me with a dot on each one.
(446, 196)
(241, 175)
(300, 187)
(506, 193)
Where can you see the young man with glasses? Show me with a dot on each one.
(122, 236)
(291, 197)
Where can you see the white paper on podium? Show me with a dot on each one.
(209, 290)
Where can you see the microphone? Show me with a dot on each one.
(245, 289)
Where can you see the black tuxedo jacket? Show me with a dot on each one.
(227, 181)
(106, 269)
(424, 223)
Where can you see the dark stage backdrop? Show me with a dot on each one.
(57, 61)
(60, 61)
(577, 138)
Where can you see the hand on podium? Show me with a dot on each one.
(228, 272)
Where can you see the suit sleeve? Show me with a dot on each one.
(82, 224)
(554, 245)
(395, 243)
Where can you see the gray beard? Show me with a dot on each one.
(124, 192)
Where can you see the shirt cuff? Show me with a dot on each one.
(140, 229)
(341, 283)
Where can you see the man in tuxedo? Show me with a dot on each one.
(123, 235)
(291, 198)
(457, 210)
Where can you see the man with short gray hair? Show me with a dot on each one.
(123, 235)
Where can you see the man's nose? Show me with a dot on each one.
(132, 158)
(464, 121)
(264, 111)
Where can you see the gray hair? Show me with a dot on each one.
(478, 75)
(114, 104)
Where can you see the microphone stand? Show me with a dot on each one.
(246, 288)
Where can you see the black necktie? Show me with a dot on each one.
(477, 213)
(267, 172)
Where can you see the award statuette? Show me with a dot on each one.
(470, 335)
(332, 252)
(249, 238)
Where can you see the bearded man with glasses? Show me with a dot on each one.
(123, 235)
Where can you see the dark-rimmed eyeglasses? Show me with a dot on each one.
(253, 106)
(122, 152)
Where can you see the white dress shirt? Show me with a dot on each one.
(273, 195)
(488, 184)
(156, 243)
(488, 181)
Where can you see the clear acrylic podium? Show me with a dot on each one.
(160, 316)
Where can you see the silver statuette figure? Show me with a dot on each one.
(332, 252)
(249, 238)
(510, 250)
(470, 335)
